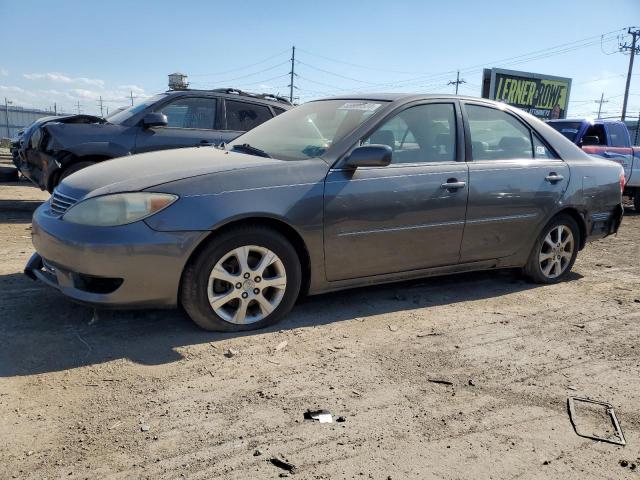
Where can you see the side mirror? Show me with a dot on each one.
(370, 156)
(590, 140)
(154, 119)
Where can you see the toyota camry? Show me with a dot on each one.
(333, 194)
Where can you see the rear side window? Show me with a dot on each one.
(191, 113)
(496, 135)
(244, 116)
(618, 135)
(278, 110)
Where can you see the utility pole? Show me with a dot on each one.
(292, 72)
(100, 102)
(131, 96)
(601, 101)
(78, 106)
(55, 108)
(6, 114)
(457, 81)
(633, 51)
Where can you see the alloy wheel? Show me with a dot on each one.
(556, 251)
(246, 284)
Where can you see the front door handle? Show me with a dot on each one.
(553, 177)
(453, 184)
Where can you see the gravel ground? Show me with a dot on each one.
(146, 394)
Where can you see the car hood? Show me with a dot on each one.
(139, 172)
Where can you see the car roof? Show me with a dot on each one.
(392, 97)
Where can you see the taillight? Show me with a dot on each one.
(623, 181)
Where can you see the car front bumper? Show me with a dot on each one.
(125, 266)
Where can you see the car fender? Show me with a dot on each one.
(103, 149)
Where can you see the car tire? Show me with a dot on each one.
(202, 289)
(554, 251)
(71, 169)
(636, 200)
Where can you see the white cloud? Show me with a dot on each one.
(133, 88)
(4, 72)
(62, 78)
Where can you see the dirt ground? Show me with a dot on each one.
(145, 394)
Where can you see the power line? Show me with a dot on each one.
(240, 68)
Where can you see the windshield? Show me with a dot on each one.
(309, 130)
(568, 129)
(127, 113)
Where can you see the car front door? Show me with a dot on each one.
(242, 117)
(515, 183)
(408, 215)
(191, 122)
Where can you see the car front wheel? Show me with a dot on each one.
(555, 251)
(243, 279)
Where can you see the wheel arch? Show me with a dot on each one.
(67, 160)
(279, 225)
(579, 219)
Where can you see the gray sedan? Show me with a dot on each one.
(333, 194)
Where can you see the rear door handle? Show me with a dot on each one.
(453, 184)
(553, 177)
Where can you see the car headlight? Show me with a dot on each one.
(118, 208)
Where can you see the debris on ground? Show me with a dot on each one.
(94, 318)
(579, 325)
(472, 382)
(231, 352)
(144, 428)
(439, 380)
(613, 432)
(432, 334)
(571, 387)
(393, 328)
(281, 345)
(322, 416)
(341, 419)
(283, 464)
(257, 452)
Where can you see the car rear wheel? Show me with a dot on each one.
(636, 200)
(555, 251)
(243, 279)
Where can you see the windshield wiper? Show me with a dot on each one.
(245, 147)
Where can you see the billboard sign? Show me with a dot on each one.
(544, 96)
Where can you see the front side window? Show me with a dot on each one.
(496, 135)
(425, 133)
(308, 130)
(243, 116)
(191, 113)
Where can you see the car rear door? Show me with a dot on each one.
(515, 183)
(241, 116)
(408, 215)
(192, 121)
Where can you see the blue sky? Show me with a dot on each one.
(68, 51)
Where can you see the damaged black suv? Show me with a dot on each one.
(53, 148)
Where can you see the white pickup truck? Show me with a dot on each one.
(608, 139)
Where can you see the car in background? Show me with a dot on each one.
(52, 148)
(608, 139)
(333, 194)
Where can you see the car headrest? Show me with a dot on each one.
(512, 143)
(384, 137)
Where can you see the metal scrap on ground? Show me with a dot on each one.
(617, 438)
